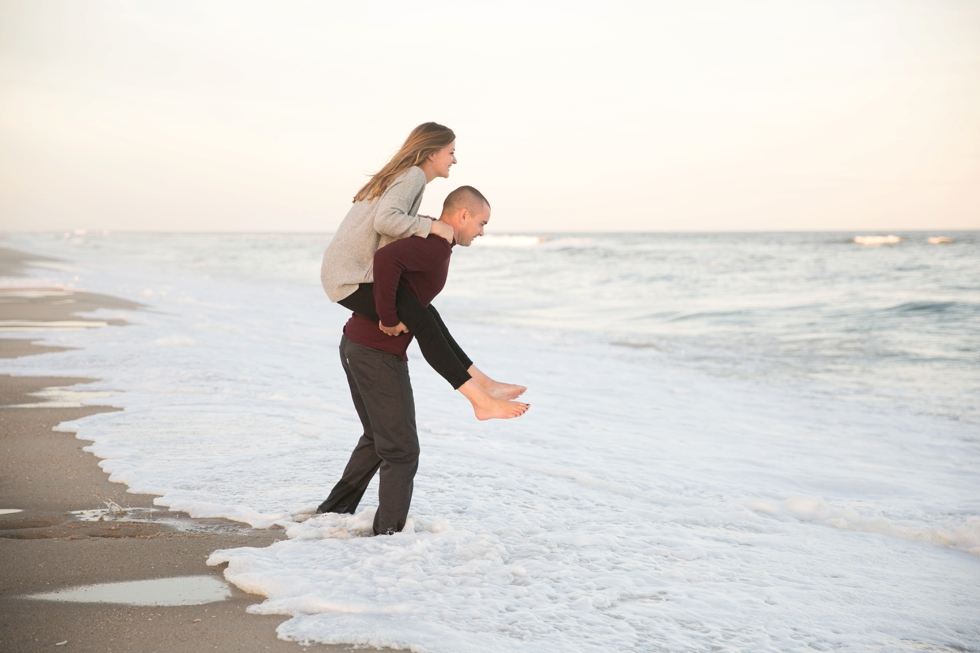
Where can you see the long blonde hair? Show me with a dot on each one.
(424, 140)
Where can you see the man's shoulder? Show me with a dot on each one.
(438, 241)
(432, 245)
(435, 247)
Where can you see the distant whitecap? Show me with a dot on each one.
(509, 241)
(939, 240)
(876, 240)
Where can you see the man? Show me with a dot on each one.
(373, 356)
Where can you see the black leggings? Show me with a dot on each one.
(440, 350)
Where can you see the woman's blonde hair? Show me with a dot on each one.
(424, 140)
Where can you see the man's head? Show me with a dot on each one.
(467, 211)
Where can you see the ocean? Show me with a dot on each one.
(756, 442)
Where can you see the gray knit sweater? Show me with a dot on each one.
(370, 225)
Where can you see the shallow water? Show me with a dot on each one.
(761, 442)
(184, 590)
(59, 397)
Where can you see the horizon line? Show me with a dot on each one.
(105, 232)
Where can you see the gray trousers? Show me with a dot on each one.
(382, 394)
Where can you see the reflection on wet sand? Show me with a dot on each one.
(183, 590)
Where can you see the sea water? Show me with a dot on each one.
(755, 442)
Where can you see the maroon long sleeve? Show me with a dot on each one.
(421, 265)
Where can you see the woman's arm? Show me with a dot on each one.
(392, 218)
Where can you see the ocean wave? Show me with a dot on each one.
(570, 243)
(964, 536)
(509, 241)
(927, 307)
(523, 241)
(874, 241)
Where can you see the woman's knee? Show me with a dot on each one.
(410, 309)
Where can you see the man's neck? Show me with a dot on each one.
(442, 219)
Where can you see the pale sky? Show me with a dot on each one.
(570, 116)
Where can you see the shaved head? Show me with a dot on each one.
(465, 197)
(467, 211)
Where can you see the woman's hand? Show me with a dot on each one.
(396, 330)
(442, 230)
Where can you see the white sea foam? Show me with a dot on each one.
(939, 240)
(639, 505)
(174, 341)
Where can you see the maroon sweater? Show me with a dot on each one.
(421, 266)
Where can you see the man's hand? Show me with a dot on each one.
(398, 329)
(442, 230)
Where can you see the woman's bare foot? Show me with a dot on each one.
(496, 389)
(500, 409)
(486, 406)
(503, 390)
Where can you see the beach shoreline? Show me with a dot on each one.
(735, 485)
(45, 547)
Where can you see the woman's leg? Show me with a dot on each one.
(361, 301)
(495, 388)
(433, 338)
(457, 350)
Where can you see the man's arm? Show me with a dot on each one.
(394, 259)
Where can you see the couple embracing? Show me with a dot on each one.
(386, 264)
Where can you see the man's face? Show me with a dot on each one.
(471, 226)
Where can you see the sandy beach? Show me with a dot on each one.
(45, 547)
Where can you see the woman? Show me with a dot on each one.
(386, 209)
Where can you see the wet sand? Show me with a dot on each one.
(45, 548)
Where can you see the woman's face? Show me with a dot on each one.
(442, 160)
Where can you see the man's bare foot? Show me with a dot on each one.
(486, 406)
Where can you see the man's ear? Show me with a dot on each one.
(465, 213)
